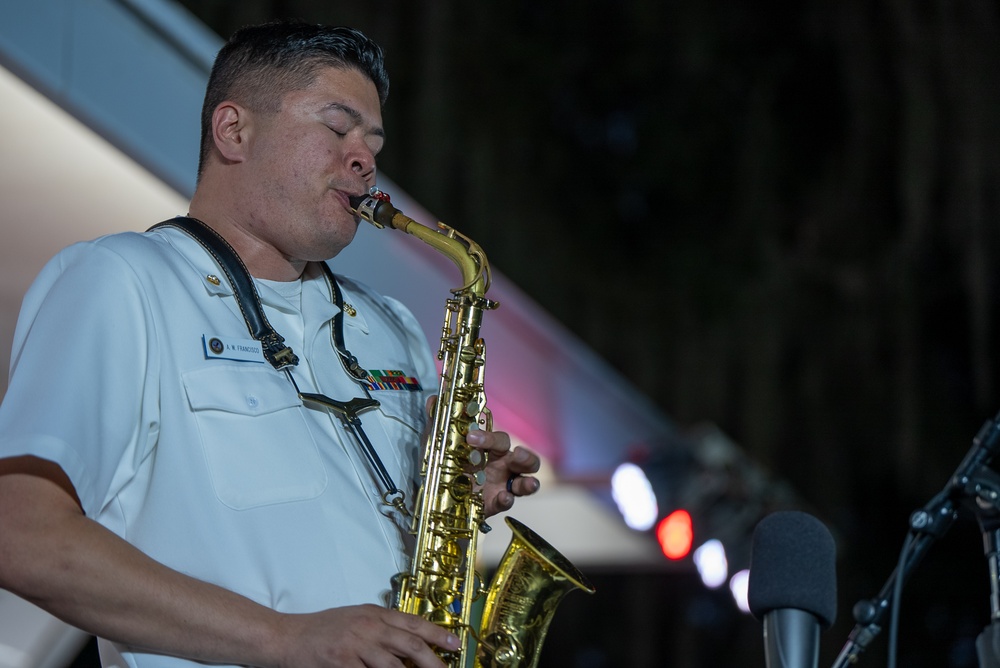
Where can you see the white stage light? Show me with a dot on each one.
(738, 586)
(710, 560)
(634, 496)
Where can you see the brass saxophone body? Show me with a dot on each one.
(441, 584)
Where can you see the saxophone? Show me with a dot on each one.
(442, 584)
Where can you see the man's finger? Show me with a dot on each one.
(496, 443)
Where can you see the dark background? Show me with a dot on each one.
(776, 216)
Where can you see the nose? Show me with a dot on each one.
(362, 162)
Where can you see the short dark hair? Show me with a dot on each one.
(260, 64)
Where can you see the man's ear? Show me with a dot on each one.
(230, 123)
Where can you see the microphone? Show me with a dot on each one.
(792, 586)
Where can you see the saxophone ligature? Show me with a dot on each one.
(441, 585)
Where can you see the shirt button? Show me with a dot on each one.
(252, 401)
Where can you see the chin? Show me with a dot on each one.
(330, 246)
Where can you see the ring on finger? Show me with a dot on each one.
(510, 482)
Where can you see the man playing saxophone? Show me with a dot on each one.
(165, 484)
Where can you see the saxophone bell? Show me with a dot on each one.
(530, 581)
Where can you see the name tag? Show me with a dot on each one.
(241, 350)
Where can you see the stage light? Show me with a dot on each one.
(738, 586)
(634, 496)
(699, 489)
(710, 560)
(675, 534)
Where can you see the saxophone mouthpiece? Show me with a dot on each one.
(373, 207)
(356, 200)
(373, 193)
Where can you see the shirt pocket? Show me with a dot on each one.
(403, 422)
(257, 444)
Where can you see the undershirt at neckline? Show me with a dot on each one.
(290, 290)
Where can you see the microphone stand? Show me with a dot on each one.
(971, 479)
(926, 526)
(988, 515)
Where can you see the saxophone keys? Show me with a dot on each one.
(460, 488)
(476, 457)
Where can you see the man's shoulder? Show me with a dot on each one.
(138, 249)
(153, 241)
(353, 285)
(361, 291)
(386, 305)
(113, 262)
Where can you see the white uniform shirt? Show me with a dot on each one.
(213, 466)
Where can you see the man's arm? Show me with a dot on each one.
(54, 556)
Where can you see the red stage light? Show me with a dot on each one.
(675, 534)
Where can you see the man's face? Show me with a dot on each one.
(306, 159)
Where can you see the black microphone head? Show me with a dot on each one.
(793, 565)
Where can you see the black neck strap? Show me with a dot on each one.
(350, 362)
(275, 351)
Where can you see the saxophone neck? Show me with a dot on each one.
(467, 255)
